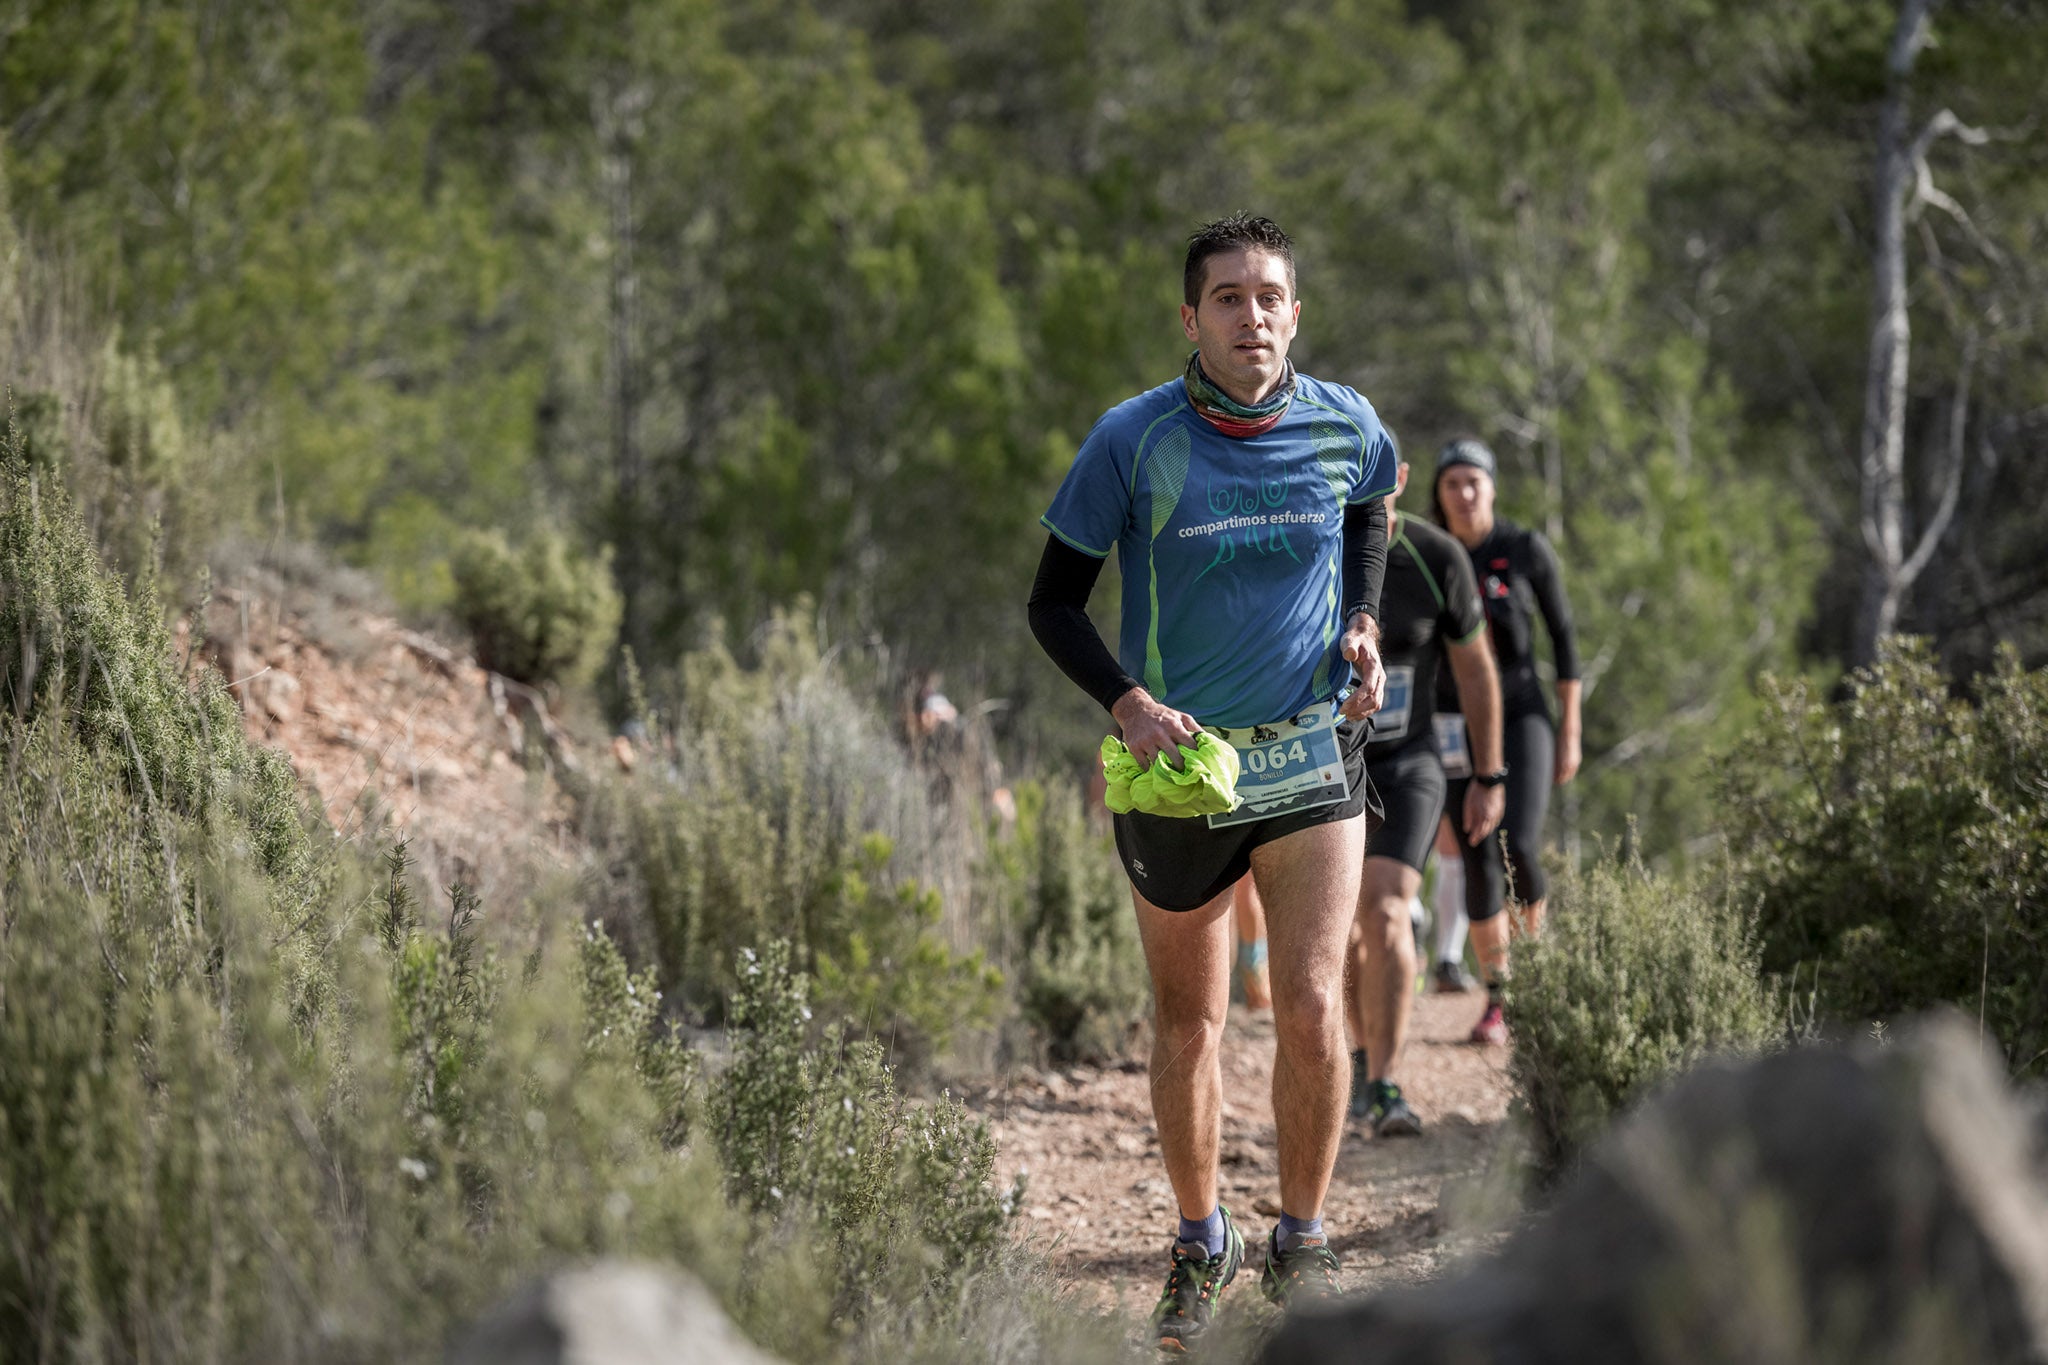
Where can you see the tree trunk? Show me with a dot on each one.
(1883, 464)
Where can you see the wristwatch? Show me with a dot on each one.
(1493, 779)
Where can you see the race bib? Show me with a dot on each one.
(1391, 720)
(1290, 766)
(1450, 745)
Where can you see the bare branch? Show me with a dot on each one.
(1946, 124)
(1925, 191)
(1959, 413)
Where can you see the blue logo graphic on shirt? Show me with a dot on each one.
(1245, 517)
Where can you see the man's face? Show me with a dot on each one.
(1466, 493)
(1244, 322)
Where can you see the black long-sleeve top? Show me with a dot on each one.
(1519, 577)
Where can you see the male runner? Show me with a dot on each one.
(1429, 605)
(1245, 504)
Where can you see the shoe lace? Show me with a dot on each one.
(1187, 1274)
(1314, 1264)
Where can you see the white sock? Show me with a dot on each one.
(1450, 910)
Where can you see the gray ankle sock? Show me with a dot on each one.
(1292, 1231)
(1208, 1232)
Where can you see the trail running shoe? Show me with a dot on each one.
(1193, 1285)
(1361, 1088)
(1451, 978)
(1390, 1114)
(1491, 1028)
(1305, 1274)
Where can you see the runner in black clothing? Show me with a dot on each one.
(1518, 577)
(1429, 607)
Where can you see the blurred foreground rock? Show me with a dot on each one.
(1876, 1203)
(608, 1313)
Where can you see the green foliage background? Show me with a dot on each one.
(726, 350)
(816, 297)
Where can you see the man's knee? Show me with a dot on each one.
(1308, 1012)
(1188, 1033)
(1384, 893)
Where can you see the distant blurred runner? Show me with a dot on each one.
(1448, 925)
(1244, 502)
(1429, 608)
(1250, 918)
(1518, 578)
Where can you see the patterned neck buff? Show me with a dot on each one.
(1229, 416)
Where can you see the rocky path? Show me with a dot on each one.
(1099, 1203)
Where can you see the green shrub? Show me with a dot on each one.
(623, 1016)
(77, 653)
(1082, 985)
(883, 967)
(817, 1130)
(1895, 843)
(539, 613)
(785, 809)
(1634, 979)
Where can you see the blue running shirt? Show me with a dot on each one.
(1229, 546)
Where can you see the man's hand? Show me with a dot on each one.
(1484, 807)
(1151, 729)
(1567, 756)
(1361, 647)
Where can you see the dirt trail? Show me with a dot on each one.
(1099, 1203)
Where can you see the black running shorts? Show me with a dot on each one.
(1410, 784)
(1182, 864)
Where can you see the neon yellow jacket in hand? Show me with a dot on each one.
(1204, 784)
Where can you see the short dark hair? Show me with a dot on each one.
(1235, 233)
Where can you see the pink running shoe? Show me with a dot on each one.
(1491, 1028)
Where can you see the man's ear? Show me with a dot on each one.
(1187, 323)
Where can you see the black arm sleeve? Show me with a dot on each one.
(1059, 621)
(1365, 556)
(1548, 581)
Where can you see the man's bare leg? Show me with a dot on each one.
(1382, 964)
(1188, 954)
(1309, 883)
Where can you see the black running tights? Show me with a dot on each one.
(1531, 754)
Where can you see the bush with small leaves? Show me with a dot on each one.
(812, 1126)
(623, 1015)
(788, 811)
(1635, 978)
(538, 613)
(882, 967)
(1895, 844)
(1082, 986)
